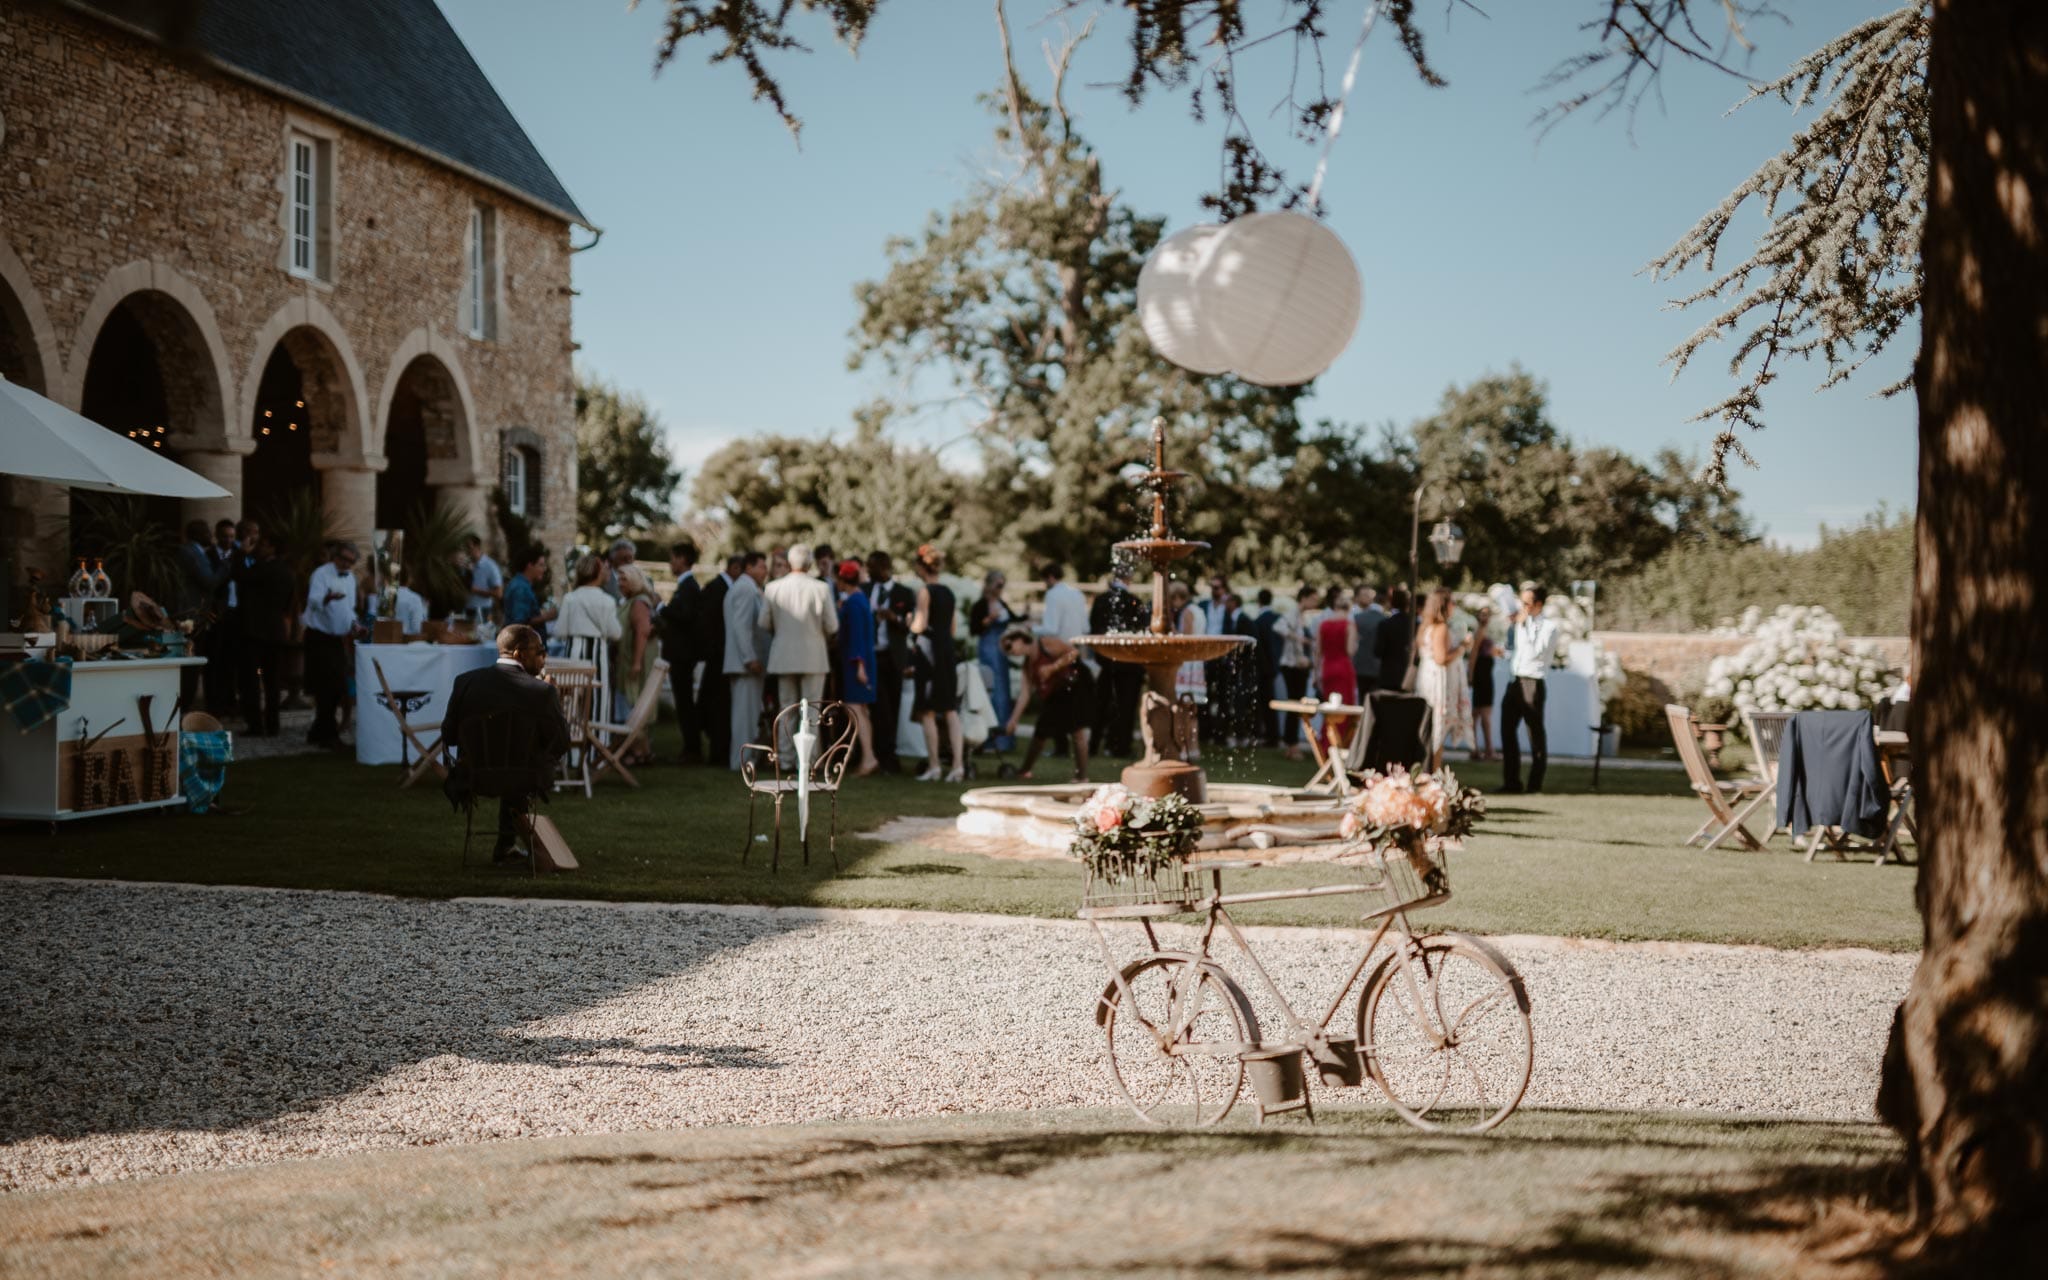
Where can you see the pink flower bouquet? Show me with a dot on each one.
(1421, 815)
(1122, 836)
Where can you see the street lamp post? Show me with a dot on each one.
(1446, 540)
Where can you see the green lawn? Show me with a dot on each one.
(1568, 862)
(1550, 1195)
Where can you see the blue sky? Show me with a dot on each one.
(723, 286)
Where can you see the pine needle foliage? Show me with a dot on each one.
(1836, 272)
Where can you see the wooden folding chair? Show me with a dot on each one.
(1766, 732)
(579, 688)
(609, 740)
(428, 752)
(1720, 797)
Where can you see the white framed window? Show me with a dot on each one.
(515, 480)
(480, 274)
(521, 479)
(309, 206)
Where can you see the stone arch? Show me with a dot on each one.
(316, 344)
(199, 392)
(455, 451)
(28, 345)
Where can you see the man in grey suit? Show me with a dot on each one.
(1365, 661)
(746, 652)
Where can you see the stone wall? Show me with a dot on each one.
(1680, 661)
(124, 172)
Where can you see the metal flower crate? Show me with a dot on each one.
(1168, 890)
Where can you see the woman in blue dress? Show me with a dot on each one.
(987, 619)
(857, 661)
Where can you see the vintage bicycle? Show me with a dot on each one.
(1441, 1027)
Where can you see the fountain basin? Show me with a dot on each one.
(1146, 650)
(1235, 816)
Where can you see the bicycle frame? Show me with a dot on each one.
(1312, 1037)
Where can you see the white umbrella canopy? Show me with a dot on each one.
(42, 440)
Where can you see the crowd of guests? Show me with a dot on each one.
(771, 628)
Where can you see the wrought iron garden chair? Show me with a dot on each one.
(1720, 797)
(767, 772)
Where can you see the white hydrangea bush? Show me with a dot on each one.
(1799, 659)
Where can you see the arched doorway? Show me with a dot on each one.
(301, 409)
(423, 442)
(150, 376)
(31, 514)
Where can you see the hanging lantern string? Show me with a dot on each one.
(1315, 188)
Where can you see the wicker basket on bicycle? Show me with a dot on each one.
(1136, 851)
(1405, 826)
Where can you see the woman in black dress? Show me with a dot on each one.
(1481, 682)
(938, 681)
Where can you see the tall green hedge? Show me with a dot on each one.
(1863, 575)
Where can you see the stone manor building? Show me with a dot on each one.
(296, 246)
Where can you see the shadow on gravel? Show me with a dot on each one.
(159, 1008)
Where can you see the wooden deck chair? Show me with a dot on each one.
(1766, 732)
(609, 740)
(427, 753)
(1719, 797)
(828, 769)
(579, 690)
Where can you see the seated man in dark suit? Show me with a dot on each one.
(510, 686)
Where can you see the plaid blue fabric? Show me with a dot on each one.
(203, 760)
(34, 692)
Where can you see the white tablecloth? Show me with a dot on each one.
(426, 671)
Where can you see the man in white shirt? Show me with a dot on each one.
(486, 579)
(1066, 609)
(1532, 642)
(329, 619)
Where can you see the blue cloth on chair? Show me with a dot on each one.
(1829, 776)
(35, 692)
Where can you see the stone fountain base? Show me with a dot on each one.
(1235, 815)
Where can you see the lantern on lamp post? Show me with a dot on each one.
(1448, 541)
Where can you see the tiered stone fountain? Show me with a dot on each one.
(1237, 815)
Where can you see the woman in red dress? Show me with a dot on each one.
(1336, 641)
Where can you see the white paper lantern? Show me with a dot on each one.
(1166, 300)
(1280, 294)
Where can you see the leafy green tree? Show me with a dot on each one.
(1534, 506)
(1023, 296)
(625, 476)
(861, 495)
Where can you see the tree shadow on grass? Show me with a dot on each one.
(1583, 1195)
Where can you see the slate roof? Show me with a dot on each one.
(395, 66)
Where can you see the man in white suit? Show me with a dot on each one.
(746, 651)
(799, 610)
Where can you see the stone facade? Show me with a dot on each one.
(156, 186)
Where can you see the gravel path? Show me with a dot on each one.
(151, 1029)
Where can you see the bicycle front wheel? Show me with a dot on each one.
(1447, 1035)
(1176, 1030)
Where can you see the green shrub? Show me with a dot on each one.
(1638, 710)
(1863, 575)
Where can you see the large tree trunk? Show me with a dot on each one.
(1967, 1081)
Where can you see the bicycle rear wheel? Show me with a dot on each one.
(1447, 1037)
(1175, 1043)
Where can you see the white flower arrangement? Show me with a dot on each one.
(1798, 659)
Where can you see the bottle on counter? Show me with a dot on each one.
(79, 584)
(102, 585)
